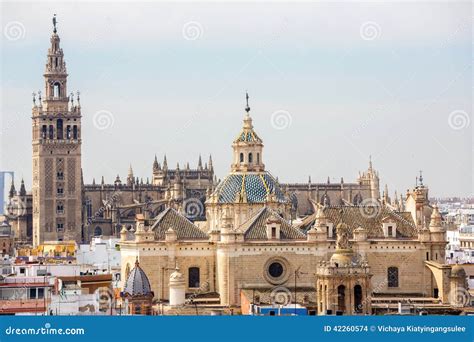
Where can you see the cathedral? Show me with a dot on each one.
(245, 239)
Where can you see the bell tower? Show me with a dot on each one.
(56, 140)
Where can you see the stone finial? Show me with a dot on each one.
(123, 234)
(436, 220)
(170, 235)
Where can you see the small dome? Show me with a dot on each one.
(5, 228)
(343, 258)
(458, 271)
(137, 283)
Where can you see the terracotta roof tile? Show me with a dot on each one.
(255, 228)
(368, 217)
(185, 229)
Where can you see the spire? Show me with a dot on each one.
(156, 166)
(370, 163)
(93, 181)
(56, 75)
(12, 190)
(165, 164)
(22, 188)
(200, 163)
(210, 163)
(385, 194)
(420, 179)
(130, 176)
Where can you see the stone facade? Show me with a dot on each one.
(56, 124)
(250, 245)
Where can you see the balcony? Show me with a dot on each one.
(13, 306)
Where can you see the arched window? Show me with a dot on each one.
(89, 208)
(193, 277)
(74, 132)
(392, 277)
(68, 132)
(51, 132)
(60, 208)
(59, 129)
(250, 158)
(258, 158)
(56, 90)
(241, 157)
(358, 299)
(97, 231)
(341, 298)
(44, 133)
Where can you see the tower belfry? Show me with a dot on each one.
(56, 124)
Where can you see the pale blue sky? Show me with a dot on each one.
(348, 97)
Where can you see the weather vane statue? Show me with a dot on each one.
(247, 109)
(54, 23)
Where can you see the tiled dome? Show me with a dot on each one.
(249, 187)
(137, 283)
